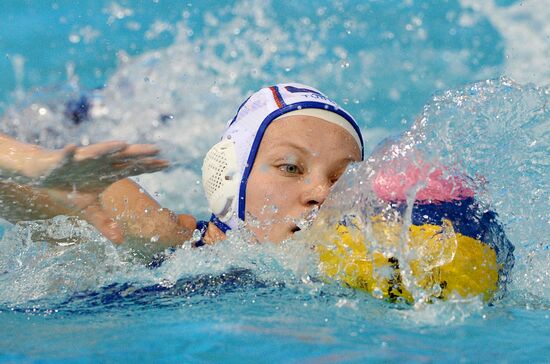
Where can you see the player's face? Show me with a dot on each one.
(299, 159)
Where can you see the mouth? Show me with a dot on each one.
(305, 222)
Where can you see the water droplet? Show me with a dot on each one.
(74, 38)
(377, 293)
(197, 235)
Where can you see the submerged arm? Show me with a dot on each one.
(142, 219)
(124, 213)
(89, 182)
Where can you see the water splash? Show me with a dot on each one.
(188, 89)
(221, 54)
(495, 131)
(460, 128)
(52, 262)
(179, 97)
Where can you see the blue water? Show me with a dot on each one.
(172, 73)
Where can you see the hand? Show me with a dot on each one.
(91, 168)
(44, 183)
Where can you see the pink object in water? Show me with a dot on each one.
(431, 184)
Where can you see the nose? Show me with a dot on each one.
(315, 191)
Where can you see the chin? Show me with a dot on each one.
(288, 235)
(276, 236)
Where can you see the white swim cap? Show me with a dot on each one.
(228, 164)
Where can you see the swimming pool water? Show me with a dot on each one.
(172, 74)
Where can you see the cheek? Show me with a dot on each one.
(260, 194)
(263, 191)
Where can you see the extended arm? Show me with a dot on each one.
(27, 160)
(141, 217)
(89, 182)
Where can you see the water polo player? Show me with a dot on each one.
(276, 162)
(274, 167)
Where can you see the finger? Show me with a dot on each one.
(153, 163)
(142, 159)
(149, 166)
(121, 165)
(104, 175)
(99, 150)
(143, 166)
(69, 151)
(137, 151)
(126, 172)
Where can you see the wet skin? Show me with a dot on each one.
(299, 159)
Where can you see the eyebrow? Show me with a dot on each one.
(304, 150)
(286, 144)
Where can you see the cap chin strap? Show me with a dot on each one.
(220, 224)
(221, 179)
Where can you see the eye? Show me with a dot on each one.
(290, 168)
(335, 177)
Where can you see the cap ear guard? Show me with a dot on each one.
(221, 179)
